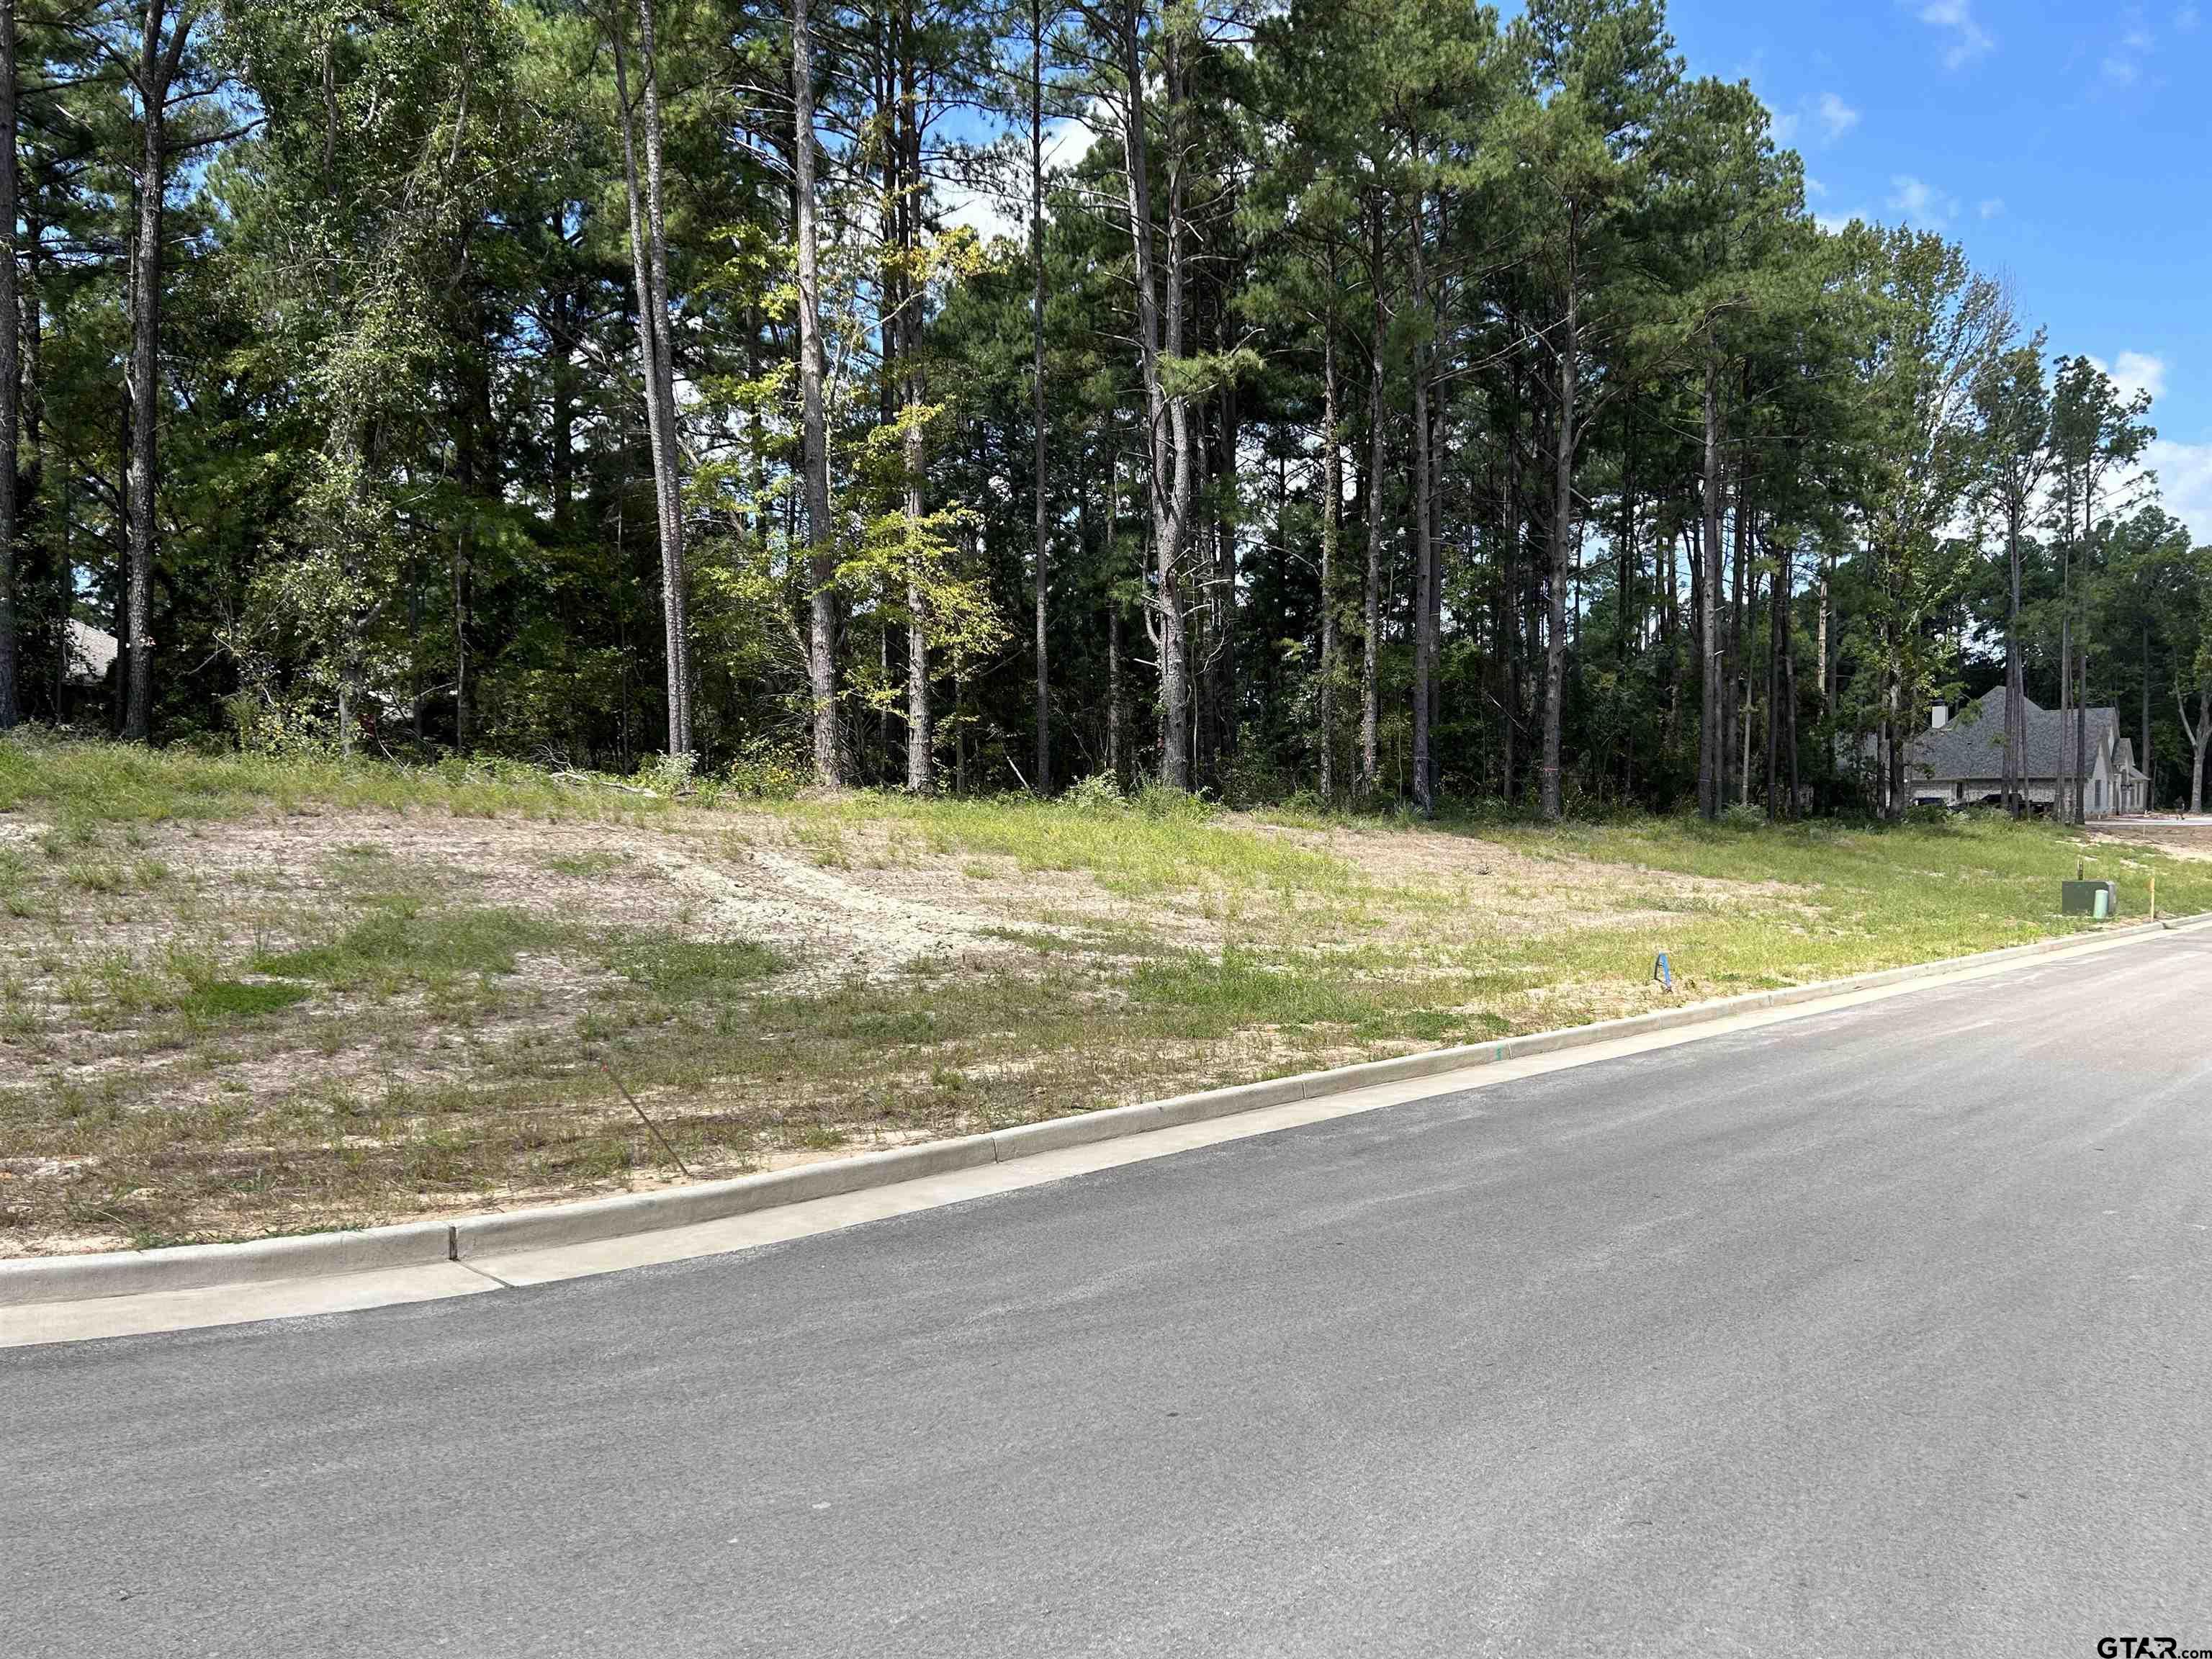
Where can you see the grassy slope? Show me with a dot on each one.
(188, 1054)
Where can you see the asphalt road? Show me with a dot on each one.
(1876, 1332)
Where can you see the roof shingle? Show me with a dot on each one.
(1973, 745)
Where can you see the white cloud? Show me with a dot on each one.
(1067, 141)
(2123, 63)
(1991, 206)
(1917, 200)
(1967, 39)
(1814, 188)
(1834, 223)
(2136, 371)
(2184, 478)
(1838, 116)
(983, 211)
(1834, 116)
(988, 213)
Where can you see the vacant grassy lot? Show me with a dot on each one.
(240, 997)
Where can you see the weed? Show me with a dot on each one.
(689, 968)
(590, 863)
(402, 941)
(824, 843)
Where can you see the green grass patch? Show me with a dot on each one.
(221, 999)
(405, 941)
(1134, 851)
(1238, 990)
(691, 968)
(591, 863)
(82, 784)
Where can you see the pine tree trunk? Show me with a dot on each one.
(1331, 489)
(1732, 781)
(1776, 642)
(1627, 629)
(1042, 780)
(11, 371)
(2143, 761)
(1509, 603)
(1790, 687)
(1371, 602)
(155, 70)
(1117, 721)
(1168, 487)
(2081, 739)
(2015, 717)
(822, 665)
(477, 471)
(1710, 765)
(903, 175)
(675, 582)
(2200, 740)
(648, 240)
(1550, 800)
(2062, 808)
(1424, 558)
(1226, 689)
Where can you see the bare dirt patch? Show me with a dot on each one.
(723, 877)
(2191, 841)
(1502, 890)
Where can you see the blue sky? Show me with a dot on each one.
(2061, 144)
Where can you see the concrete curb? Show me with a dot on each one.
(194, 1267)
(191, 1266)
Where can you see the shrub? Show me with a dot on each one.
(763, 772)
(291, 728)
(668, 774)
(1157, 800)
(1099, 794)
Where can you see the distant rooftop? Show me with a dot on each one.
(1971, 745)
(90, 652)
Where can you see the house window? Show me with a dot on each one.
(2100, 794)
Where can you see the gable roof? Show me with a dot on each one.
(1973, 745)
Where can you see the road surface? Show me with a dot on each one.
(1877, 1332)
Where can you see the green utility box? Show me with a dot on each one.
(2079, 899)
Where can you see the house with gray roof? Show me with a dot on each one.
(91, 653)
(1959, 761)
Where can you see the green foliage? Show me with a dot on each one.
(406, 499)
(1097, 795)
(765, 772)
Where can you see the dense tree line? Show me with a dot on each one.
(1387, 402)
